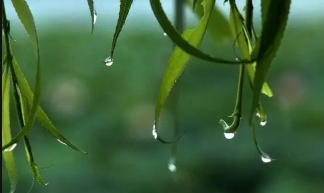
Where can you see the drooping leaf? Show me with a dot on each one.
(179, 59)
(93, 14)
(7, 154)
(125, 6)
(180, 41)
(27, 20)
(272, 32)
(218, 27)
(41, 115)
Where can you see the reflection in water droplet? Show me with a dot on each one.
(12, 147)
(61, 142)
(171, 165)
(154, 133)
(258, 115)
(94, 17)
(266, 159)
(165, 34)
(229, 135)
(108, 61)
(263, 123)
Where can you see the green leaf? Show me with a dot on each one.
(27, 20)
(194, 3)
(125, 6)
(272, 32)
(180, 41)
(41, 115)
(7, 154)
(93, 14)
(179, 59)
(218, 27)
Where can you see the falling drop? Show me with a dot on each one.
(108, 61)
(165, 34)
(154, 133)
(266, 159)
(229, 135)
(94, 17)
(12, 147)
(171, 165)
(61, 142)
(263, 123)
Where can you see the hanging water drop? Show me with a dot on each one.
(108, 61)
(94, 17)
(171, 165)
(154, 133)
(165, 34)
(12, 147)
(61, 142)
(263, 123)
(266, 159)
(229, 135)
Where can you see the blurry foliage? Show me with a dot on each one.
(80, 95)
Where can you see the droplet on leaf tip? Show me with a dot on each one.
(263, 123)
(266, 159)
(108, 61)
(229, 135)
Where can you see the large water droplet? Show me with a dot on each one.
(12, 147)
(229, 135)
(266, 159)
(61, 142)
(94, 17)
(263, 123)
(171, 165)
(108, 61)
(154, 133)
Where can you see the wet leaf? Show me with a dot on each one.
(180, 41)
(218, 26)
(125, 6)
(93, 14)
(41, 115)
(7, 154)
(179, 59)
(272, 32)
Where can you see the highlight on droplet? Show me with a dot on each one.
(165, 34)
(154, 133)
(171, 165)
(263, 123)
(108, 61)
(11, 148)
(229, 135)
(266, 159)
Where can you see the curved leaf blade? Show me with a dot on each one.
(181, 42)
(125, 6)
(93, 14)
(8, 156)
(273, 29)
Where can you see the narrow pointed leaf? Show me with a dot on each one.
(8, 156)
(41, 115)
(125, 6)
(179, 58)
(93, 14)
(27, 20)
(272, 32)
(218, 27)
(181, 42)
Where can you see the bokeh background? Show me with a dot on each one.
(108, 111)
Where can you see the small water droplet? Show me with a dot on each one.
(94, 17)
(171, 165)
(229, 135)
(236, 59)
(108, 61)
(61, 142)
(266, 159)
(12, 147)
(263, 123)
(154, 133)
(165, 34)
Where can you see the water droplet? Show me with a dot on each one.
(236, 59)
(94, 17)
(165, 34)
(61, 142)
(229, 135)
(12, 147)
(154, 133)
(263, 123)
(108, 61)
(171, 165)
(266, 159)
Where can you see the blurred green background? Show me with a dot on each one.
(108, 111)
